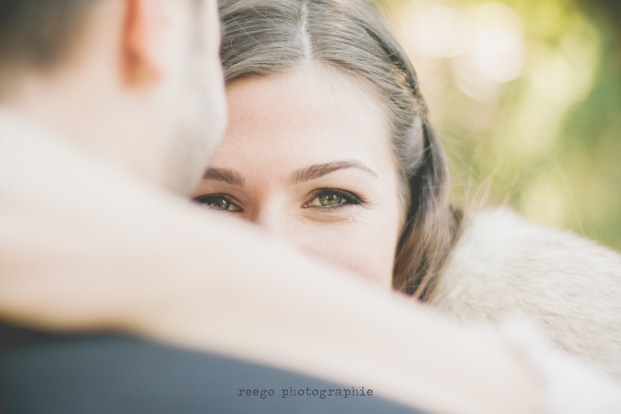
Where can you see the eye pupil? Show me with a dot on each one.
(218, 202)
(330, 199)
(221, 203)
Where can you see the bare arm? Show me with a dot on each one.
(93, 249)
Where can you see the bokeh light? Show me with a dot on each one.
(526, 96)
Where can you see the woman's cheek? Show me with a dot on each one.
(366, 250)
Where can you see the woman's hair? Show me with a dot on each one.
(267, 37)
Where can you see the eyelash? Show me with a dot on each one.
(350, 198)
(206, 199)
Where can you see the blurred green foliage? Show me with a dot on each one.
(548, 141)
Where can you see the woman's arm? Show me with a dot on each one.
(86, 247)
(218, 286)
(94, 249)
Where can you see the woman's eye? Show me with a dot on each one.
(328, 198)
(218, 202)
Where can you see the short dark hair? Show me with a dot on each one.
(38, 34)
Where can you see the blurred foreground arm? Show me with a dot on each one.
(86, 247)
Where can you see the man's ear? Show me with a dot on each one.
(146, 23)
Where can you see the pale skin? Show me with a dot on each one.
(298, 314)
(307, 157)
(138, 51)
(162, 268)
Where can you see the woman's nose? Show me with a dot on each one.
(270, 219)
(283, 224)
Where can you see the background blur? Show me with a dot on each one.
(526, 95)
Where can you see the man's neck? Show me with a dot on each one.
(90, 118)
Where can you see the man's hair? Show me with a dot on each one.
(39, 34)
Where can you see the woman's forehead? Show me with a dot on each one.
(306, 116)
(309, 97)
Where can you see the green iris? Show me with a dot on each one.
(218, 202)
(331, 199)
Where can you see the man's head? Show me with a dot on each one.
(137, 82)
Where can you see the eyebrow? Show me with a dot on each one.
(319, 170)
(224, 174)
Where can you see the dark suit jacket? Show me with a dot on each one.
(113, 374)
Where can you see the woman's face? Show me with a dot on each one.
(307, 156)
